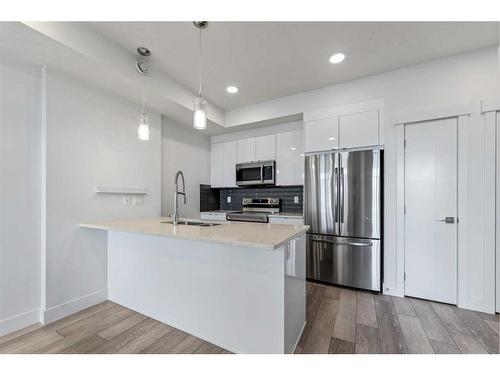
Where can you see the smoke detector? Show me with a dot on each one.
(142, 67)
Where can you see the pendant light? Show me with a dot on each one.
(142, 67)
(143, 128)
(199, 103)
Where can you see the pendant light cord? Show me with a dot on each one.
(200, 65)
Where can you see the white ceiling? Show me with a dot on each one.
(267, 60)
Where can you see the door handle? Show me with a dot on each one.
(447, 220)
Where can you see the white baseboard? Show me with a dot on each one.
(392, 291)
(298, 339)
(61, 311)
(19, 321)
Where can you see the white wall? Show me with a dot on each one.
(187, 150)
(20, 202)
(461, 78)
(257, 132)
(91, 140)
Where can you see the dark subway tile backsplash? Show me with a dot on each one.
(285, 193)
(209, 198)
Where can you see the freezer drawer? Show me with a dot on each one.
(352, 262)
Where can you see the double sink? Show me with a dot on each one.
(193, 223)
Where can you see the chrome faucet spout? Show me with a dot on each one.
(175, 216)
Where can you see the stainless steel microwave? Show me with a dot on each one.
(256, 173)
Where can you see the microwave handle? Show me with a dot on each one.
(262, 172)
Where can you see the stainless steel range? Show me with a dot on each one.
(255, 210)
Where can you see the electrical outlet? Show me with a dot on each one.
(138, 200)
(296, 199)
(229, 199)
(127, 200)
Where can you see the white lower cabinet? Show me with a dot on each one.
(290, 158)
(214, 216)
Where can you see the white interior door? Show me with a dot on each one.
(431, 210)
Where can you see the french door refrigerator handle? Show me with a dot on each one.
(341, 194)
(336, 178)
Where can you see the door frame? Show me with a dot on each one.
(490, 108)
(457, 212)
(462, 112)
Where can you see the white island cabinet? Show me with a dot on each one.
(240, 286)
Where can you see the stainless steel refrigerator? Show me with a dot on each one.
(343, 208)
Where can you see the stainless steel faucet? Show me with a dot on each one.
(175, 216)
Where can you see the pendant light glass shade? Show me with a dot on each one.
(199, 103)
(199, 113)
(143, 128)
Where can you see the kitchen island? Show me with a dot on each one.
(240, 286)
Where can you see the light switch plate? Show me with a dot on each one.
(127, 200)
(296, 199)
(229, 199)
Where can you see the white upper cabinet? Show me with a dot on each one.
(359, 129)
(223, 164)
(321, 135)
(230, 159)
(259, 148)
(217, 164)
(347, 126)
(290, 158)
(246, 150)
(265, 147)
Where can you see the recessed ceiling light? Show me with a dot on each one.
(337, 58)
(232, 89)
(293, 148)
(331, 138)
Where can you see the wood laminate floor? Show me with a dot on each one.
(339, 320)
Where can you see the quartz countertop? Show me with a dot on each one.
(255, 235)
